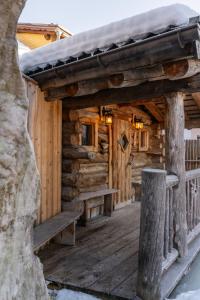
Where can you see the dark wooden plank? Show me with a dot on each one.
(92, 274)
(74, 264)
(123, 223)
(117, 276)
(102, 251)
(127, 288)
(49, 229)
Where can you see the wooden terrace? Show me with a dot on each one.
(104, 260)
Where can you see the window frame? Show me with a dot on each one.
(94, 138)
(146, 146)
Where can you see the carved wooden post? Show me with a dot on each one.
(175, 164)
(151, 234)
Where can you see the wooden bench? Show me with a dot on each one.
(61, 227)
(108, 201)
(137, 186)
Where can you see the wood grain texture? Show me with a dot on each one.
(151, 234)
(104, 259)
(175, 164)
(50, 228)
(44, 125)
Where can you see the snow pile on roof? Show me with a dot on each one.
(194, 295)
(71, 295)
(22, 49)
(136, 27)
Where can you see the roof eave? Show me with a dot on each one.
(173, 45)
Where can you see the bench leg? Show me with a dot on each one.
(108, 205)
(67, 236)
(85, 216)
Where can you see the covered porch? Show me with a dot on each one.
(138, 250)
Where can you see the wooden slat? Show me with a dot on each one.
(49, 229)
(90, 195)
(45, 125)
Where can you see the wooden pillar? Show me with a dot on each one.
(151, 234)
(175, 164)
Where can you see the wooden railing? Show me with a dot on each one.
(171, 182)
(193, 201)
(192, 154)
(157, 250)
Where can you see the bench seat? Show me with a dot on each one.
(107, 195)
(90, 195)
(62, 224)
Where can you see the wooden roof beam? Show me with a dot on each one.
(147, 90)
(172, 71)
(182, 69)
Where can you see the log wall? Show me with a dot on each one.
(153, 157)
(84, 168)
(88, 169)
(44, 126)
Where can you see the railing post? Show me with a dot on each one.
(175, 164)
(151, 234)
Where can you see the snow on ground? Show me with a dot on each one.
(71, 295)
(136, 27)
(194, 295)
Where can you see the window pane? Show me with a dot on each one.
(86, 135)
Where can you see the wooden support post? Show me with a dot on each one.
(108, 205)
(175, 164)
(151, 234)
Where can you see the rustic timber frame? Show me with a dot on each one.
(158, 78)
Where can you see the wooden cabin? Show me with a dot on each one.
(108, 130)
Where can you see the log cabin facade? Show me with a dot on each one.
(155, 81)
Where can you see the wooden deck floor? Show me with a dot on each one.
(104, 259)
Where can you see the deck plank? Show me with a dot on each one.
(127, 288)
(121, 273)
(104, 259)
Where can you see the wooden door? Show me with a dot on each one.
(121, 162)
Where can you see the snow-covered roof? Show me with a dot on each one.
(107, 37)
(22, 49)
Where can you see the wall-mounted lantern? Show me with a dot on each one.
(106, 115)
(137, 123)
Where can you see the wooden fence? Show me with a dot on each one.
(193, 203)
(171, 182)
(192, 154)
(157, 251)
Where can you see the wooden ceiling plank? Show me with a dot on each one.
(155, 111)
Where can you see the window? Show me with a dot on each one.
(143, 140)
(124, 142)
(87, 134)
